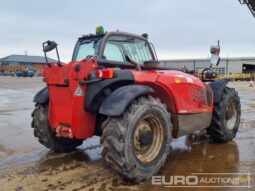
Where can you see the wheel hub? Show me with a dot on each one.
(148, 138)
(231, 115)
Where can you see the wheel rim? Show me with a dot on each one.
(231, 115)
(149, 126)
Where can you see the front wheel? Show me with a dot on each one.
(226, 117)
(137, 143)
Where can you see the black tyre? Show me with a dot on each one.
(137, 143)
(226, 117)
(46, 136)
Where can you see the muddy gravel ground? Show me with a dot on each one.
(26, 165)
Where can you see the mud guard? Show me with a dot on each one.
(217, 88)
(117, 102)
(42, 96)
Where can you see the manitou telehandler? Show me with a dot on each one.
(115, 88)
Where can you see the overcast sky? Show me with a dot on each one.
(178, 29)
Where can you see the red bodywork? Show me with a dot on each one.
(182, 93)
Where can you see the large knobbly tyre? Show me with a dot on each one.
(137, 143)
(46, 136)
(226, 117)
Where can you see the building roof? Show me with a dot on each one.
(26, 59)
(207, 59)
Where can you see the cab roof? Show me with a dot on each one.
(113, 33)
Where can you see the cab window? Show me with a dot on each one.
(113, 52)
(85, 48)
(118, 46)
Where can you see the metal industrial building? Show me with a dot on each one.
(226, 66)
(20, 62)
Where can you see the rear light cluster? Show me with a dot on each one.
(106, 73)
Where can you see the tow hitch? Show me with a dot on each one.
(64, 132)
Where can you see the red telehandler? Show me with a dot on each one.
(115, 88)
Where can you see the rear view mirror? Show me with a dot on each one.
(215, 50)
(215, 60)
(49, 46)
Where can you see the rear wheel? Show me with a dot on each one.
(46, 136)
(226, 117)
(137, 143)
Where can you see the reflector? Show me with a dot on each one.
(105, 73)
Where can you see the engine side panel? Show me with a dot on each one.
(149, 78)
(189, 93)
(186, 93)
(189, 101)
